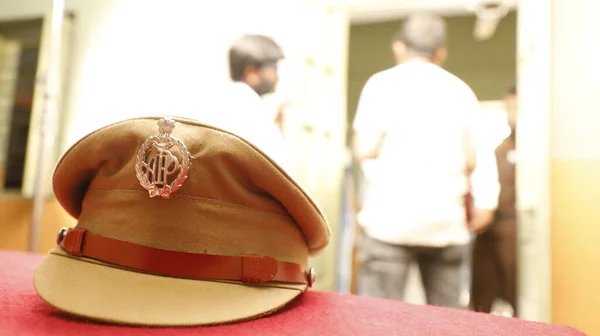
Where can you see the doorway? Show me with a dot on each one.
(489, 67)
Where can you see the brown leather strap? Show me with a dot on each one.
(253, 269)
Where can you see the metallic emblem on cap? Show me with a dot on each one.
(61, 235)
(311, 277)
(156, 163)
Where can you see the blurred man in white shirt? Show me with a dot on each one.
(253, 65)
(417, 121)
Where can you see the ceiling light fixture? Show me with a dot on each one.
(488, 15)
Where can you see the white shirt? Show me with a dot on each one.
(239, 109)
(418, 183)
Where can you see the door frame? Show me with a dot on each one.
(533, 61)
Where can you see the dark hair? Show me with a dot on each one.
(423, 34)
(512, 90)
(252, 50)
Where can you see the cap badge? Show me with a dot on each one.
(156, 163)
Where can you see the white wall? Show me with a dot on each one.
(164, 57)
(148, 57)
(534, 59)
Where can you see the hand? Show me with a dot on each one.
(380, 142)
(481, 222)
(370, 150)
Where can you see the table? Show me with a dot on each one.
(314, 313)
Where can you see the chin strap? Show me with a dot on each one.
(248, 268)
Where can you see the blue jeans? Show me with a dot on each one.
(384, 271)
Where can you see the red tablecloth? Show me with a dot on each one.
(22, 312)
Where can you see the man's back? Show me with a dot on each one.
(420, 180)
(417, 120)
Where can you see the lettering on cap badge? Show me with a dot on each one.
(156, 164)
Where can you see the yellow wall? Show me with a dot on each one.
(575, 164)
(15, 220)
(575, 214)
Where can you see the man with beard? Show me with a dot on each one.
(253, 66)
(253, 61)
